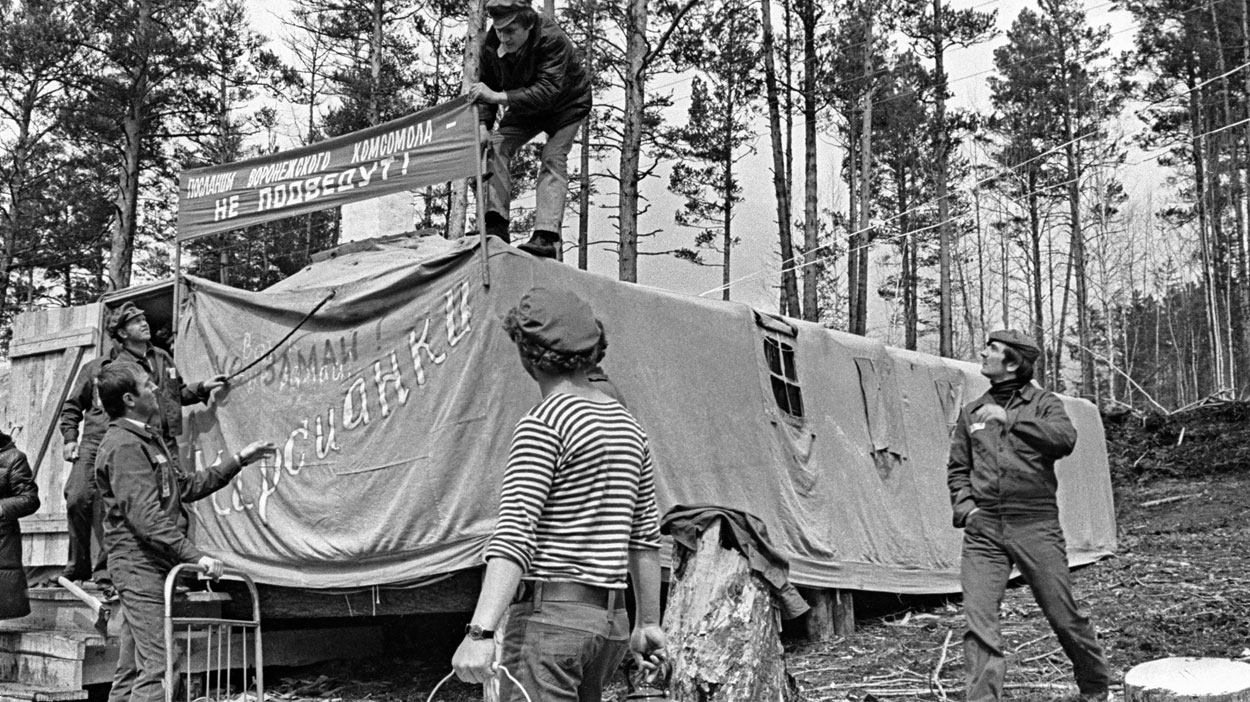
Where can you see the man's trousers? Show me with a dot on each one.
(552, 189)
(141, 656)
(992, 545)
(84, 512)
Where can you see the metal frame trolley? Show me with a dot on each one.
(220, 648)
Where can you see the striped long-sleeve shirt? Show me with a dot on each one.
(578, 493)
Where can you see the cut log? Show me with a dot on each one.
(832, 613)
(724, 632)
(1188, 680)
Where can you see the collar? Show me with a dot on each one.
(1027, 393)
(134, 426)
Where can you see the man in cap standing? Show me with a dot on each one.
(531, 70)
(128, 327)
(1001, 476)
(577, 513)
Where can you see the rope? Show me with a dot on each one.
(496, 666)
(282, 341)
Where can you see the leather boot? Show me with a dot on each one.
(542, 244)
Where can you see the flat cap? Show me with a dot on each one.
(558, 320)
(502, 12)
(1019, 341)
(122, 316)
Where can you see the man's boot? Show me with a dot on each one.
(496, 225)
(542, 243)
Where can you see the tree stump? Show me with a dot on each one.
(1188, 680)
(724, 632)
(832, 613)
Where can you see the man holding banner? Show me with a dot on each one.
(532, 70)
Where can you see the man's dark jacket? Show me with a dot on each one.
(19, 497)
(82, 405)
(1009, 469)
(545, 80)
(144, 492)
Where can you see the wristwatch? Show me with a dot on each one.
(477, 633)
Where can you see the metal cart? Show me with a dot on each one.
(208, 659)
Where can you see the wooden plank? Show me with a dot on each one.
(40, 670)
(17, 692)
(45, 643)
(43, 524)
(70, 338)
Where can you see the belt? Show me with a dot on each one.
(540, 591)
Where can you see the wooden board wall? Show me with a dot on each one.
(46, 344)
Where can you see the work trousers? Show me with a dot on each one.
(564, 652)
(552, 189)
(1036, 546)
(140, 671)
(84, 512)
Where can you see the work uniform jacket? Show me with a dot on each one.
(19, 497)
(1008, 469)
(545, 80)
(144, 491)
(83, 405)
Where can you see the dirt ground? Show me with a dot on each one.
(1178, 586)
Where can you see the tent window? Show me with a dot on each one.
(783, 376)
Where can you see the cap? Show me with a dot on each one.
(1019, 341)
(502, 12)
(122, 315)
(559, 320)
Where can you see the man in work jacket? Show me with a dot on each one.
(531, 69)
(145, 526)
(1001, 476)
(132, 337)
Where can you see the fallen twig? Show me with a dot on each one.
(1166, 500)
(935, 680)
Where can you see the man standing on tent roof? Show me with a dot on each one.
(531, 70)
(145, 526)
(1001, 476)
(132, 337)
(577, 513)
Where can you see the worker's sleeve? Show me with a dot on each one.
(554, 56)
(959, 472)
(136, 486)
(527, 479)
(76, 404)
(645, 532)
(190, 394)
(199, 484)
(1047, 428)
(486, 112)
(23, 496)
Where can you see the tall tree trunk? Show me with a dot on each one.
(631, 138)
(909, 258)
(375, 65)
(727, 188)
(781, 185)
(811, 227)
(1244, 250)
(1035, 237)
(940, 149)
(1204, 240)
(860, 323)
(583, 199)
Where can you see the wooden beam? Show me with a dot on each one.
(457, 593)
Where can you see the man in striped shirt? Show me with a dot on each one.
(577, 514)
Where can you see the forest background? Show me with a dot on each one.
(804, 156)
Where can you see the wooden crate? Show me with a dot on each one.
(49, 348)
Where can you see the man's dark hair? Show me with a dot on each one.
(114, 381)
(549, 360)
(1024, 367)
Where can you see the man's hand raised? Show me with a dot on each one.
(217, 381)
(257, 450)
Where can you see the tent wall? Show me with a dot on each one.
(854, 491)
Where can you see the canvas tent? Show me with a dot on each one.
(394, 405)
